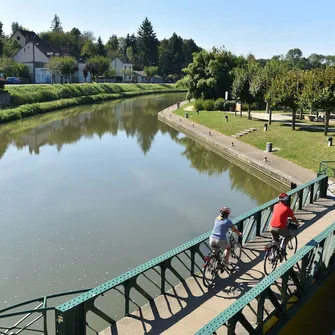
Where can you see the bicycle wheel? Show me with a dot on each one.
(291, 247)
(210, 271)
(235, 253)
(270, 261)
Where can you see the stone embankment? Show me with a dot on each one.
(228, 147)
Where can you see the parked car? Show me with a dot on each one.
(13, 80)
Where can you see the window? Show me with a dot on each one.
(125, 67)
(18, 38)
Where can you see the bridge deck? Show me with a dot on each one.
(189, 306)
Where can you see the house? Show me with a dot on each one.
(141, 77)
(24, 36)
(123, 69)
(35, 53)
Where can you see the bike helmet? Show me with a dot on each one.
(225, 210)
(283, 197)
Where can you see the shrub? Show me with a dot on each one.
(228, 104)
(219, 104)
(42, 93)
(209, 105)
(199, 104)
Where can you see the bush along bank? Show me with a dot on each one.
(27, 110)
(28, 94)
(214, 105)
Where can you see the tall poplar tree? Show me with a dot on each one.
(147, 44)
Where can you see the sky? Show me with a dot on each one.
(261, 27)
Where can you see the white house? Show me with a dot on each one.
(123, 69)
(24, 36)
(36, 53)
(141, 77)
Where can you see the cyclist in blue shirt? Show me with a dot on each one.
(218, 238)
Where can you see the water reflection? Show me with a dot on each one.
(206, 161)
(136, 117)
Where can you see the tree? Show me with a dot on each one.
(15, 27)
(294, 55)
(317, 61)
(56, 38)
(101, 47)
(54, 67)
(131, 55)
(150, 71)
(10, 68)
(113, 44)
(262, 80)
(98, 65)
(56, 25)
(286, 90)
(1, 30)
(126, 73)
(10, 47)
(171, 56)
(89, 49)
(189, 48)
(243, 76)
(68, 65)
(147, 43)
(209, 75)
(319, 91)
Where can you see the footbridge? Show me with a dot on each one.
(166, 294)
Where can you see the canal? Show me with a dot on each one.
(90, 192)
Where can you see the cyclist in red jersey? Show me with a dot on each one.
(278, 224)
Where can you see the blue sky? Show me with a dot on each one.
(262, 27)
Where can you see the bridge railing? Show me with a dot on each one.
(269, 306)
(327, 168)
(32, 315)
(165, 271)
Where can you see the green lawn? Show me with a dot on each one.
(306, 148)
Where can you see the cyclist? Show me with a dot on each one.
(218, 238)
(278, 224)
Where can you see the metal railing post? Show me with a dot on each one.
(71, 322)
(258, 218)
(311, 195)
(323, 187)
(300, 195)
(193, 250)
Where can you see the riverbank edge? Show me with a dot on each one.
(229, 151)
(28, 110)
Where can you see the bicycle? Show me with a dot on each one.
(214, 262)
(274, 254)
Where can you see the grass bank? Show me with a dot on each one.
(27, 110)
(29, 94)
(305, 147)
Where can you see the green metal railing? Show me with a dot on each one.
(179, 263)
(269, 306)
(327, 168)
(32, 312)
